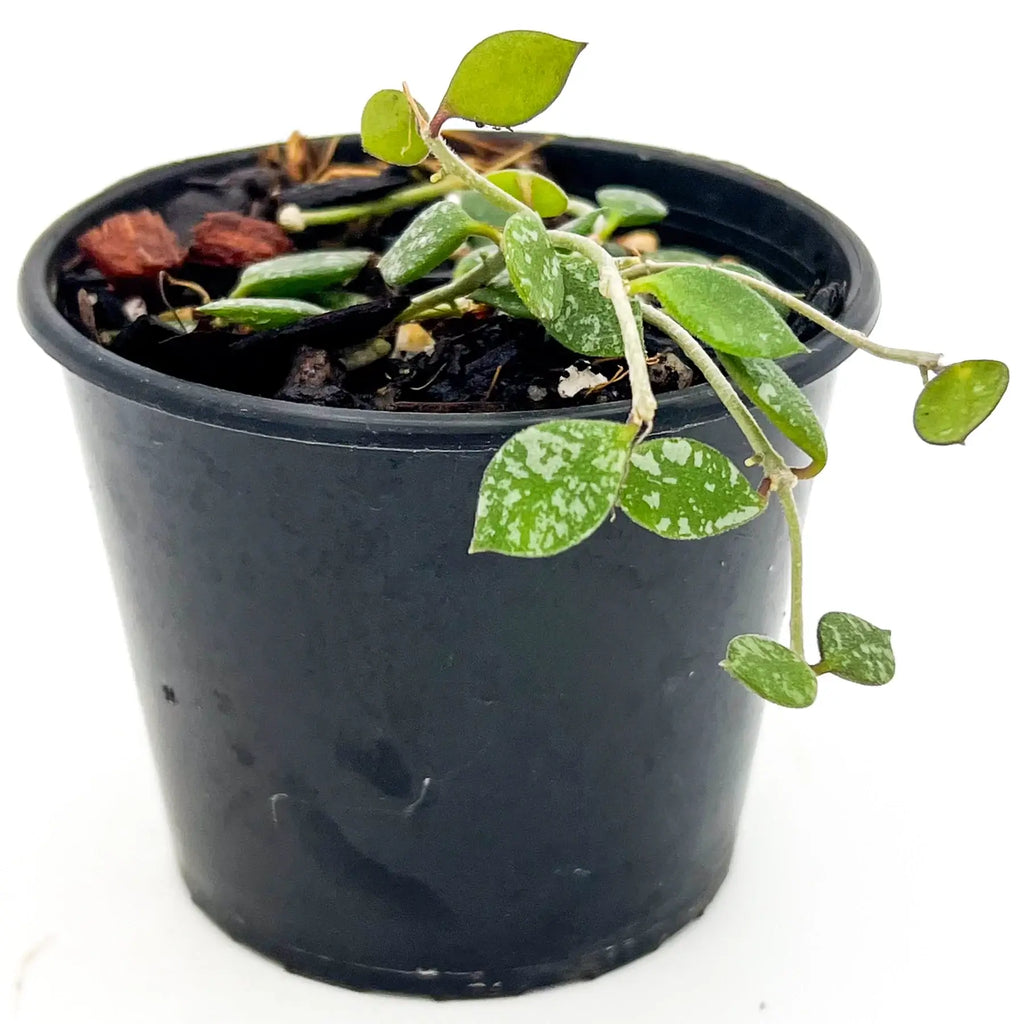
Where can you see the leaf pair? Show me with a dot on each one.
(551, 486)
(504, 80)
(851, 648)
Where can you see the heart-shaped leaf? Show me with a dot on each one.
(533, 189)
(629, 207)
(772, 390)
(771, 671)
(389, 130)
(533, 265)
(550, 487)
(260, 313)
(301, 274)
(853, 649)
(432, 236)
(510, 77)
(685, 490)
(957, 401)
(586, 323)
(722, 312)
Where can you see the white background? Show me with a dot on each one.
(878, 874)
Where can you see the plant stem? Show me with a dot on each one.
(454, 166)
(613, 289)
(858, 339)
(291, 218)
(796, 571)
(456, 288)
(772, 463)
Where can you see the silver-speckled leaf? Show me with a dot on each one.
(260, 313)
(432, 236)
(300, 275)
(533, 265)
(684, 490)
(722, 312)
(550, 487)
(586, 322)
(771, 671)
(853, 649)
(772, 390)
(956, 402)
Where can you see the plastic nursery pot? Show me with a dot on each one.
(387, 763)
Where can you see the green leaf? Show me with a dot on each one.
(771, 671)
(686, 490)
(301, 274)
(482, 209)
(533, 189)
(959, 400)
(510, 77)
(629, 207)
(853, 649)
(722, 312)
(533, 265)
(679, 254)
(338, 298)
(742, 268)
(468, 263)
(550, 487)
(260, 313)
(389, 129)
(772, 390)
(586, 322)
(585, 223)
(432, 236)
(503, 297)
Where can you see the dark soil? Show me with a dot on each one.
(483, 361)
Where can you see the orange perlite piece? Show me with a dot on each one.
(231, 240)
(132, 245)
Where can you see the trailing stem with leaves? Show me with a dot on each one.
(552, 485)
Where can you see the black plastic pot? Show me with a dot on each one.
(391, 765)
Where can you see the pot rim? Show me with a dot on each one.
(84, 358)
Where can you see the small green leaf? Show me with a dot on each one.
(533, 265)
(722, 312)
(432, 236)
(482, 209)
(678, 254)
(260, 313)
(585, 223)
(533, 189)
(853, 649)
(586, 322)
(772, 390)
(503, 297)
(771, 671)
(468, 263)
(338, 298)
(685, 490)
(300, 274)
(389, 129)
(742, 268)
(959, 400)
(510, 77)
(629, 207)
(550, 487)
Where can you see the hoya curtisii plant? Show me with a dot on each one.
(552, 485)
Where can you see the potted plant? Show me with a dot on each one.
(387, 763)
